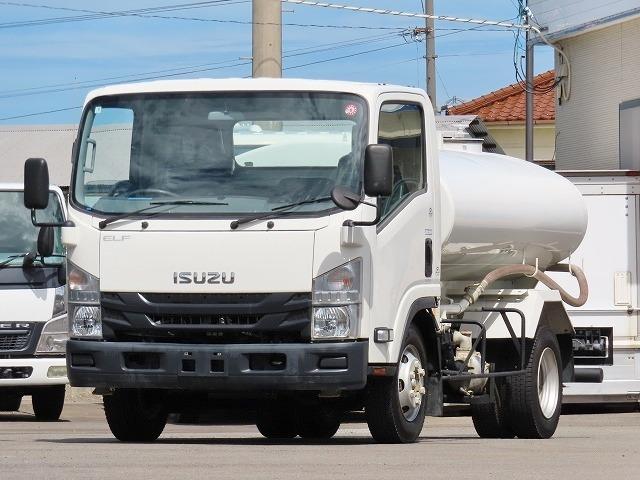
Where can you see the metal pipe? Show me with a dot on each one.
(529, 120)
(430, 44)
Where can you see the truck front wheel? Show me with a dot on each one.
(135, 415)
(395, 407)
(318, 423)
(276, 419)
(535, 398)
(48, 403)
(10, 402)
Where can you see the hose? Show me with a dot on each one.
(473, 293)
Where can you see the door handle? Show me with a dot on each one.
(428, 257)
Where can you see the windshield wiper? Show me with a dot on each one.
(154, 205)
(275, 212)
(28, 259)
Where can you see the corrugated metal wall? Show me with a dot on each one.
(605, 66)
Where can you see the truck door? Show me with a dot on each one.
(403, 265)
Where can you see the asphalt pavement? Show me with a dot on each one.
(586, 446)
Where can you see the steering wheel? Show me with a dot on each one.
(157, 191)
(400, 189)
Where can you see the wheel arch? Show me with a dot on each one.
(420, 314)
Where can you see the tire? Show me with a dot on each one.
(393, 415)
(277, 420)
(10, 402)
(135, 415)
(317, 422)
(535, 398)
(48, 403)
(491, 420)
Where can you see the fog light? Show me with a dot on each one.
(57, 371)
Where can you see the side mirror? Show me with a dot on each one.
(378, 170)
(45, 241)
(36, 184)
(345, 198)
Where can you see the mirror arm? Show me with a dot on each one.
(353, 223)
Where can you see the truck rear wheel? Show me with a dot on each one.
(394, 407)
(491, 420)
(276, 419)
(135, 415)
(535, 398)
(319, 423)
(48, 403)
(10, 402)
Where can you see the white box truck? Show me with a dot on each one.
(33, 315)
(607, 339)
(303, 247)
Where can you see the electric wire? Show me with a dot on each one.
(97, 15)
(173, 72)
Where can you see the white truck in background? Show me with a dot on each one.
(607, 338)
(33, 314)
(304, 248)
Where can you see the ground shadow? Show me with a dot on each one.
(25, 417)
(258, 441)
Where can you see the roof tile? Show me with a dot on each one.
(508, 103)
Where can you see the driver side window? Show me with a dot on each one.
(401, 126)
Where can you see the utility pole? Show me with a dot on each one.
(430, 44)
(528, 136)
(267, 38)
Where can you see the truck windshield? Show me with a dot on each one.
(227, 153)
(18, 235)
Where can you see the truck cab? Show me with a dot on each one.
(33, 322)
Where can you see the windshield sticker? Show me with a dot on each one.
(98, 109)
(351, 110)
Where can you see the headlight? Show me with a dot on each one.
(54, 336)
(59, 302)
(84, 303)
(336, 302)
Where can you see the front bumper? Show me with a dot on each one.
(40, 368)
(260, 367)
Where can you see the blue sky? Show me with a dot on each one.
(66, 55)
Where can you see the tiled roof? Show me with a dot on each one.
(508, 103)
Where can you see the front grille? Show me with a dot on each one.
(13, 341)
(206, 317)
(222, 319)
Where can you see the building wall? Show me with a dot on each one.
(511, 138)
(605, 71)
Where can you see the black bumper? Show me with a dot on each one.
(274, 367)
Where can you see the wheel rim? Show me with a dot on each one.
(548, 382)
(410, 383)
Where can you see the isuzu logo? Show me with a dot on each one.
(201, 278)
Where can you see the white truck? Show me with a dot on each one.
(33, 319)
(303, 247)
(607, 339)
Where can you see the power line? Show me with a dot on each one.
(33, 114)
(398, 13)
(346, 56)
(178, 71)
(98, 15)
